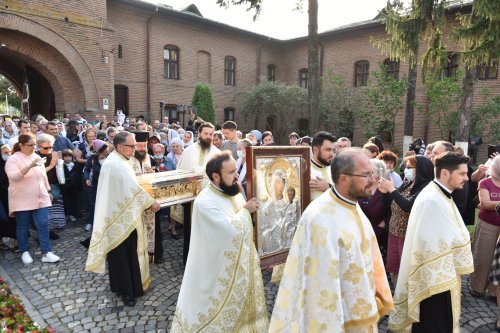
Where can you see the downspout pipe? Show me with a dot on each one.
(148, 68)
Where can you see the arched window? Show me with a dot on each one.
(303, 78)
(230, 71)
(171, 62)
(392, 68)
(271, 72)
(361, 69)
(271, 123)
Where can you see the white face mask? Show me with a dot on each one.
(5, 157)
(101, 161)
(409, 174)
(240, 153)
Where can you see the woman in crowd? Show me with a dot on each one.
(267, 138)
(217, 139)
(7, 224)
(390, 159)
(177, 148)
(83, 151)
(25, 171)
(371, 150)
(57, 218)
(376, 141)
(487, 229)
(241, 163)
(419, 172)
(91, 176)
(376, 209)
(188, 139)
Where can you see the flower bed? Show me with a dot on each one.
(13, 316)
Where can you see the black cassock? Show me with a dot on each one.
(436, 315)
(124, 269)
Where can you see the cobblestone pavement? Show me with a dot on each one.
(65, 297)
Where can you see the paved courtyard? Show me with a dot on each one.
(68, 299)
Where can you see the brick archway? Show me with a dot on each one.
(55, 58)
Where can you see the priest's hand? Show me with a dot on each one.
(252, 205)
(318, 184)
(155, 207)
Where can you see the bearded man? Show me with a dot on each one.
(222, 289)
(194, 159)
(321, 161)
(141, 162)
(334, 279)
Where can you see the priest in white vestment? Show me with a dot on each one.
(334, 278)
(195, 157)
(222, 288)
(436, 254)
(321, 161)
(119, 233)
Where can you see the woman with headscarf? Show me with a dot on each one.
(188, 139)
(419, 172)
(177, 148)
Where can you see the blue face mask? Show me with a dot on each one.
(158, 157)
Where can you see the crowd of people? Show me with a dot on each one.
(373, 214)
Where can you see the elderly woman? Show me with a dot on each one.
(487, 229)
(188, 138)
(177, 148)
(57, 218)
(83, 151)
(376, 208)
(419, 172)
(26, 171)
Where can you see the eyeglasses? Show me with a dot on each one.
(131, 146)
(45, 148)
(368, 175)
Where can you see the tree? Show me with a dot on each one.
(486, 118)
(8, 90)
(443, 95)
(383, 103)
(203, 100)
(407, 29)
(338, 103)
(313, 74)
(275, 99)
(479, 35)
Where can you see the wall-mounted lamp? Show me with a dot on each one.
(3, 44)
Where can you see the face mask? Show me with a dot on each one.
(240, 153)
(409, 174)
(158, 157)
(181, 136)
(254, 143)
(5, 157)
(101, 162)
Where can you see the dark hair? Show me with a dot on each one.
(67, 152)
(51, 123)
(214, 165)
(450, 161)
(388, 156)
(305, 139)
(101, 135)
(320, 137)
(231, 125)
(23, 139)
(378, 142)
(23, 121)
(205, 124)
(265, 134)
(120, 138)
(344, 162)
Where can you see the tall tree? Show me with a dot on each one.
(313, 53)
(479, 35)
(407, 29)
(203, 100)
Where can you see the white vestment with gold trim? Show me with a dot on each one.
(120, 204)
(334, 278)
(436, 254)
(222, 288)
(194, 159)
(324, 172)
